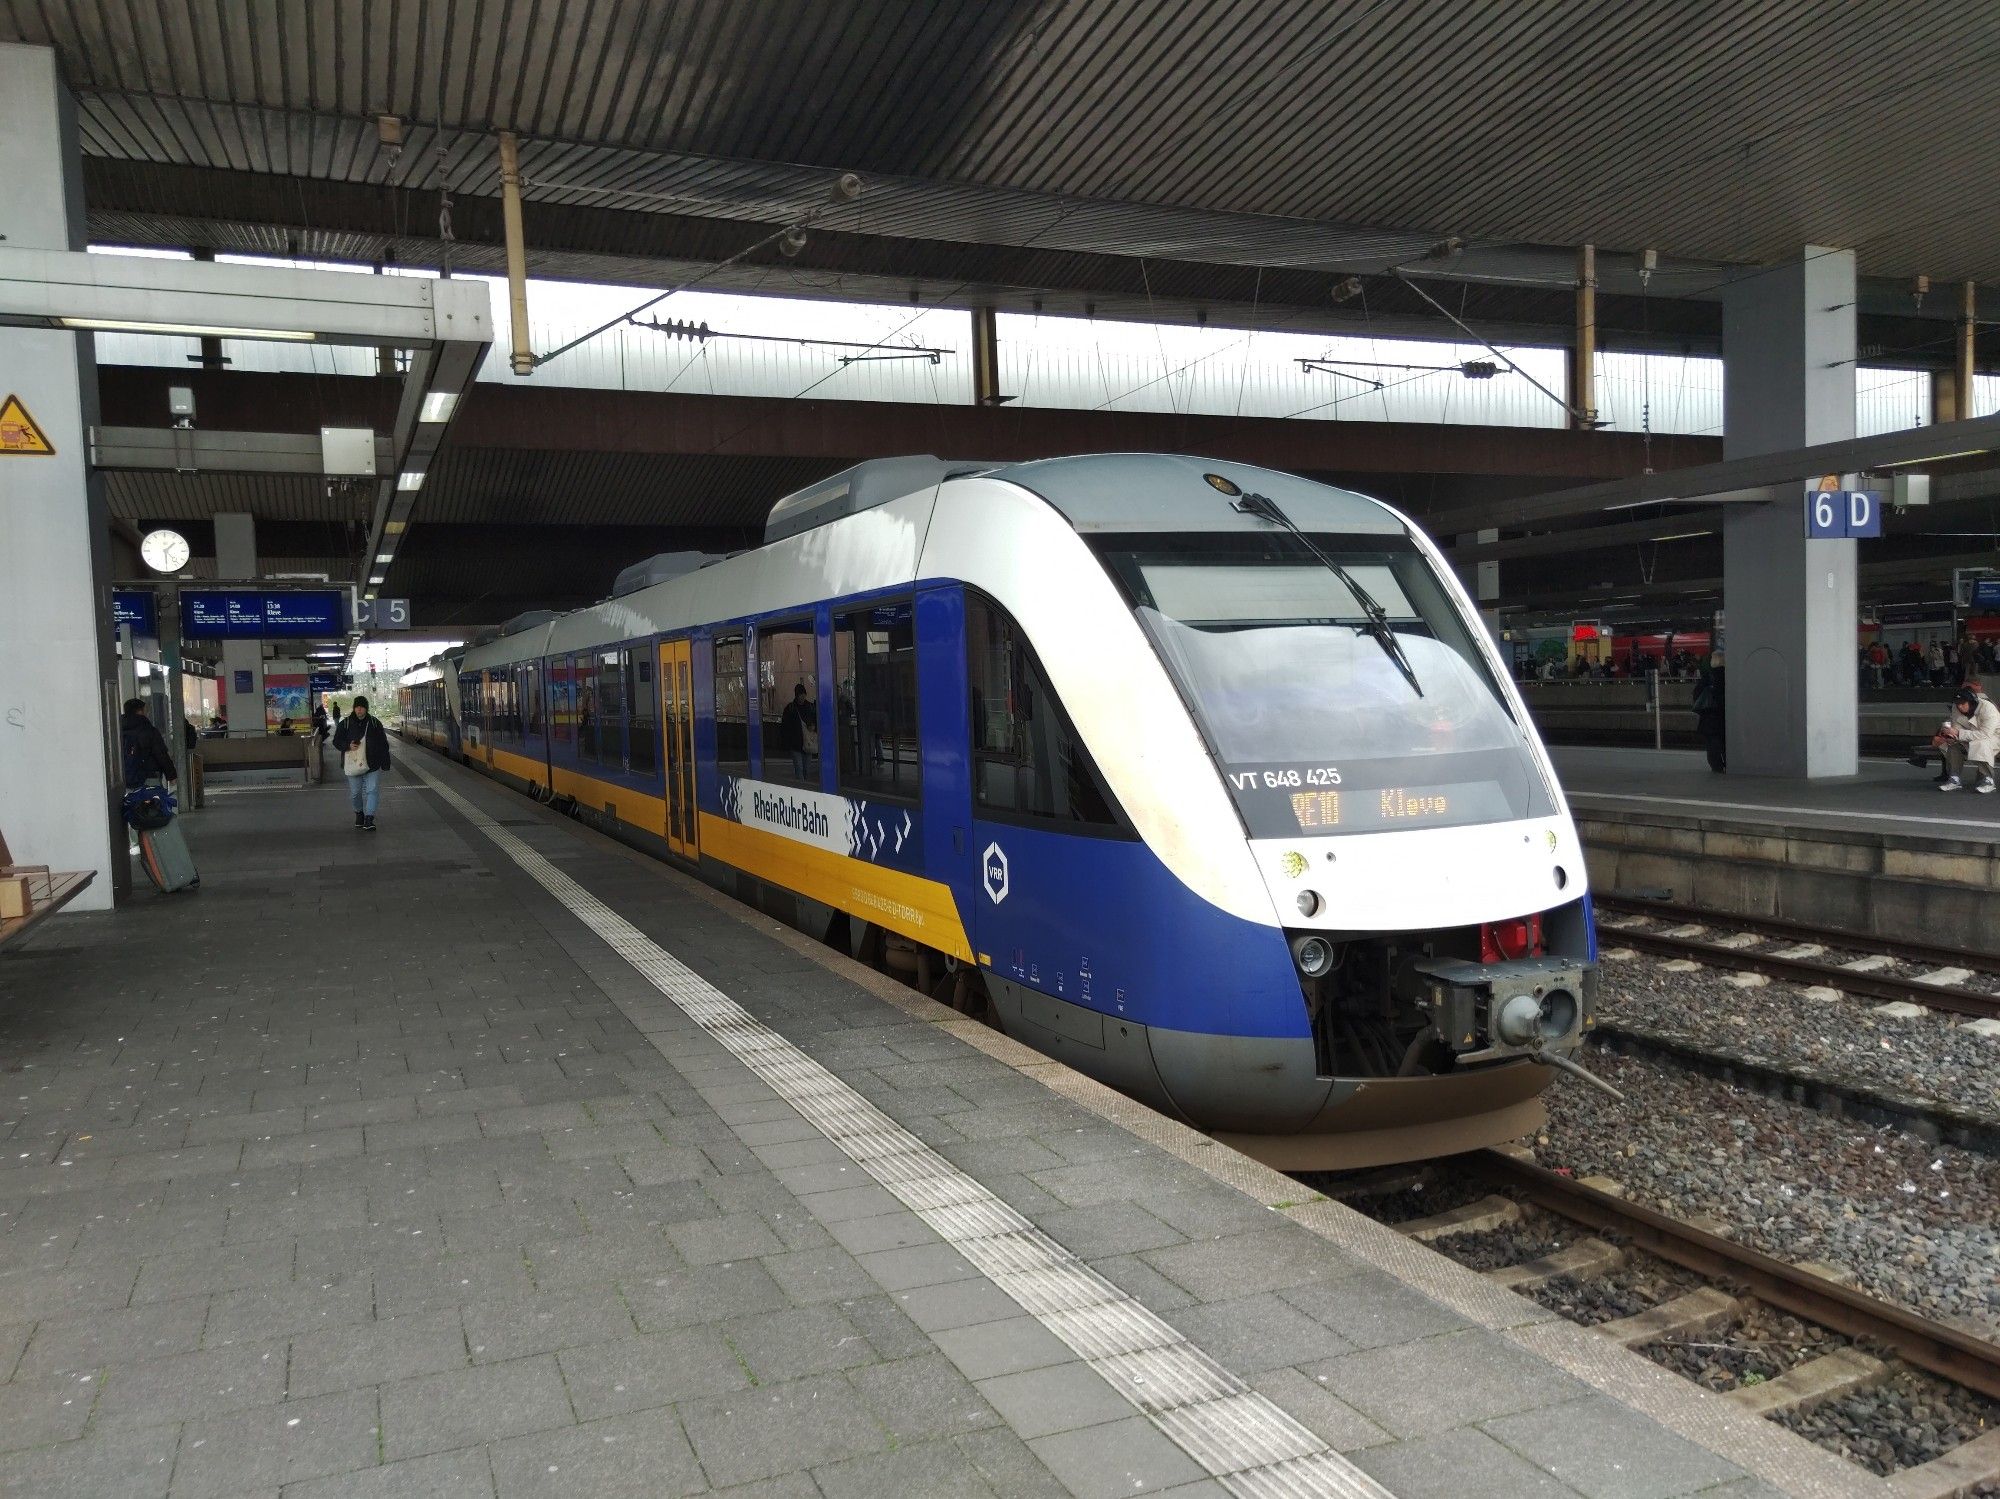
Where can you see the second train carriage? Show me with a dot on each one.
(1210, 772)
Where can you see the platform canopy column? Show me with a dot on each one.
(58, 680)
(242, 660)
(1789, 603)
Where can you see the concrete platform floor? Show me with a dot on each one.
(375, 1168)
(1887, 796)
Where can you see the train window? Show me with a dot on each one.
(642, 710)
(583, 691)
(562, 700)
(875, 671)
(1026, 756)
(610, 711)
(787, 663)
(531, 698)
(732, 701)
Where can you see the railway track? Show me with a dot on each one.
(1943, 1350)
(1796, 967)
(1872, 1342)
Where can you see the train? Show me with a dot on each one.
(1200, 777)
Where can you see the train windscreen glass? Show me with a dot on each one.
(1335, 682)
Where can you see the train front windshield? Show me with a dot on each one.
(1336, 683)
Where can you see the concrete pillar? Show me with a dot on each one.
(59, 771)
(236, 557)
(1788, 382)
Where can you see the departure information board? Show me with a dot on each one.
(260, 614)
(138, 608)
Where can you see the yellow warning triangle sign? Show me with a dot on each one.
(19, 436)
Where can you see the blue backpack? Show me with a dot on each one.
(150, 808)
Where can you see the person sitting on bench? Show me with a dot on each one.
(1968, 739)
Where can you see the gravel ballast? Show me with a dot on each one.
(1925, 1056)
(1909, 1418)
(1914, 1223)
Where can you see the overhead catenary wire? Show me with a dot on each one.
(1582, 418)
(846, 188)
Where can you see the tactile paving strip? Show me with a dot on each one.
(1250, 1445)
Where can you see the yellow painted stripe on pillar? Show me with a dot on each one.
(920, 909)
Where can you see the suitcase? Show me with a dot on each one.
(168, 863)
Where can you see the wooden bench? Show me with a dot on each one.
(48, 892)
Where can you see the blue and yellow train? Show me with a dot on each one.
(1207, 775)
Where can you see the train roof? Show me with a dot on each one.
(1099, 492)
(863, 530)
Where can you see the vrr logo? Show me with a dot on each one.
(994, 861)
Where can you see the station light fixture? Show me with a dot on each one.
(391, 556)
(1683, 536)
(184, 330)
(395, 527)
(438, 406)
(410, 480)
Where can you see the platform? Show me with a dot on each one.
(1882, 852)
(484, 1157)
(1887, 796)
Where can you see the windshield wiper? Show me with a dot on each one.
(1378, 618)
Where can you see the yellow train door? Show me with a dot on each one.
(677, 741)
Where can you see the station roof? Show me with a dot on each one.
(1233, 157)
(1029, 141)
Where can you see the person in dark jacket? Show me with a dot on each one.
(363, 745)
(144, 750)
(801, 717)
(1709, 713)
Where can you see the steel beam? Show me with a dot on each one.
(608, 421)
(199, 450)
(42, 288)
(1741, 479)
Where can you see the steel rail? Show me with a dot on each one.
(1777, 926)
(1958, 1356)
(1805, 971)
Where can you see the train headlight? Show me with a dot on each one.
(1314, 955)
(1310, 903)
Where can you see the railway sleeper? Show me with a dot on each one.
(1812, 1383)
(1473, 1217)
(1698, 1311)
(1584, 1258)
(1952, 1473)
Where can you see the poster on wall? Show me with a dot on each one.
(285, 698)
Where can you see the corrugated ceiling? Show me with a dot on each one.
(1731, 132)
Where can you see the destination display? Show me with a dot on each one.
(138, 608)
(1282, 801)
(247, 614)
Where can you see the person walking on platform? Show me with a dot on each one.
(1968, 741)
(143, 748)
(364, 754)
(1708, 713)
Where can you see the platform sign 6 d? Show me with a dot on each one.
(1838, 514)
